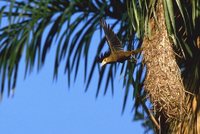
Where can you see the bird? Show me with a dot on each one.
(116, 53)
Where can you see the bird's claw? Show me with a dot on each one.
(133, 59)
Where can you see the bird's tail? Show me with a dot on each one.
(137, 51)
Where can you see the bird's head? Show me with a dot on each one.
(104, 62)
(103, 58)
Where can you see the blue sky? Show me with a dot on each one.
(43, 106)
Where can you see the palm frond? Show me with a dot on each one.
(28, 21)
(34, 26)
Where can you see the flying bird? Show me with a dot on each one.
(116, 53)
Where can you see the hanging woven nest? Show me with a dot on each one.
(163, 81)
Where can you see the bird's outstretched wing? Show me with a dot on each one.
(113, 40)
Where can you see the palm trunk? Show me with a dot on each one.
(175, 111)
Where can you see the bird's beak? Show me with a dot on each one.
(103, 63)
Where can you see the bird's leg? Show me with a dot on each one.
(132, 59)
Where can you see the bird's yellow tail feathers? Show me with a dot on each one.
(137, 51)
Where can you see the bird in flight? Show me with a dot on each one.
(116, 53)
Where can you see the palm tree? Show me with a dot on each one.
(167, 30)
(171, 41)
